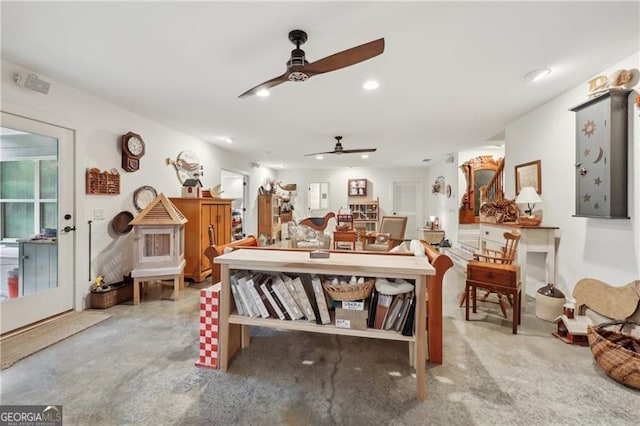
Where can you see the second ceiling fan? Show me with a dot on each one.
(339, 149)
(299, 69)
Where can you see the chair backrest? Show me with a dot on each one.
(511, 244)
(345, 220)
(395, 226)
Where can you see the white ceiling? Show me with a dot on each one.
(451, 75)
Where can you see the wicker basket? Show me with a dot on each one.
(617, 353)
(530, 221)
(349, 291)
(112, 297)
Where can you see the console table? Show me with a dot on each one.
(235, 330)
(533, 239)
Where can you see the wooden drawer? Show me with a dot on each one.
(496, 274)
(493, 233)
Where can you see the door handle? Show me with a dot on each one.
(68, 228)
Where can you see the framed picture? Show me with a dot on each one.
(528, 174)
(357, 187)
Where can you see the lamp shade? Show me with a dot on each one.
(528, 195)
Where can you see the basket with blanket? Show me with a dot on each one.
(616, 352)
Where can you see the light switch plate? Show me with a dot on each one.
(98, 214)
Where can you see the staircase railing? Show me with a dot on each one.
(494, 190)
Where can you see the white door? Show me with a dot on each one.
(36, 204)
(407, 201)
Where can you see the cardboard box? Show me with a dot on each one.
(350, 318)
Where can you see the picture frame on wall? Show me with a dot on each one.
(528, 174)
(357, 187)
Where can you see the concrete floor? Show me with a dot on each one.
(138, 368)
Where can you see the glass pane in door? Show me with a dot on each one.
(29, 214)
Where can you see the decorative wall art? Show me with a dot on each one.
(187, 166)
(528, 174)
(438, 186)
(357, 187)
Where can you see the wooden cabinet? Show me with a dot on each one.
(269, 223)
(365, 214)
(601, 155)
(202, 212)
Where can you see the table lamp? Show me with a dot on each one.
(529, 196)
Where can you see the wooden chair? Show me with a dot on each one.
(504, 256)
(394, 227)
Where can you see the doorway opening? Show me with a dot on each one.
(235, 186)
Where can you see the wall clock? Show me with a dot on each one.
(143, 196)
(132, 151)
(448, 191)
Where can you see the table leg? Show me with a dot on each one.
(420, 342)
(136, 291)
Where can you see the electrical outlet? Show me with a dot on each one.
(98, 214)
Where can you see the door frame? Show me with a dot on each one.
(29, 309)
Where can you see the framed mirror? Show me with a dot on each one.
(478, 173)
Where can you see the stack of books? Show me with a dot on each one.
(279, 296)
(392, 312)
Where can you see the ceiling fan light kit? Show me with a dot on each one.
(299, 69)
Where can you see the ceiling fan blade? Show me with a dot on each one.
(345, 58)
(266, 85)
(320, 153)
(356, 151)
(345, 151)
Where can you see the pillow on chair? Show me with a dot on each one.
(382, 238)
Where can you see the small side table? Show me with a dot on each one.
(344, 237)
(499, 278)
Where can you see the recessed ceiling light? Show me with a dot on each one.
(537, 74)
(280, 166)
(319, 157)
(370, 85)
(263, 93)
(365, 156)
(226, 139)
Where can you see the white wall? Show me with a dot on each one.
(605, 249)
(98, 126)
(380, 185)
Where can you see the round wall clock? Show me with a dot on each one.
(143, 196)
(132, 151)
(448, 191)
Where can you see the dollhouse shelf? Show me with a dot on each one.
(102, 183)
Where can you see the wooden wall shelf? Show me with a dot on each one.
(102, 183)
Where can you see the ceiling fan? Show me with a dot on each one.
(299, 69)
(340, 150)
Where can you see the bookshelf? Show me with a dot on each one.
(269, 223)
(365, 214)
(235, 330)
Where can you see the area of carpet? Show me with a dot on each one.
(15, 348)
